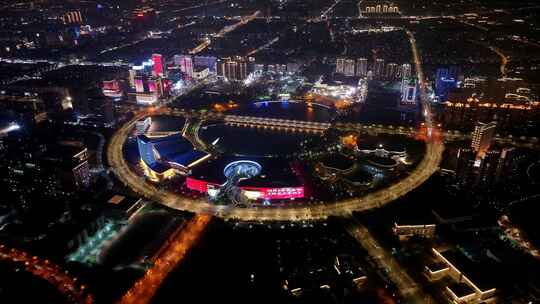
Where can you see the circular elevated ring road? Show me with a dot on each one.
(421, 173)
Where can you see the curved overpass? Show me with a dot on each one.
(427, 166)
(421, 173)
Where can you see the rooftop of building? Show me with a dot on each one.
(173, 149)
(461, 289)
(276, 172)
(481, 274)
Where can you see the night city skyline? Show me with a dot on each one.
(270, 151)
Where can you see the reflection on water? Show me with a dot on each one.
(287, 110)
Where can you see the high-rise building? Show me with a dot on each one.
(73, 17)
(139, 84)
(444, 86)
(131, 78)
(446, 81)
(391, 71)
(361, 67)
(186, 65)
(349, 67)
(236, 68)
(81, 169)
(158, 69)
(155, 85)
(482, 137)
(340, 65)
(406, 70)
(378, 68)
(408, 91)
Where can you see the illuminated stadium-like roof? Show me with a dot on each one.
(162, 153)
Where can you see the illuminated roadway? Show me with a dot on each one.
(421, 173)
(408, 288)
(406, 285)
(52, 273)
(427, 166)
(171, 255)
(224, 31)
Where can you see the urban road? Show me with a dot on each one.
(430, 163)
(427, 166)
(408, 288)
(129, 178)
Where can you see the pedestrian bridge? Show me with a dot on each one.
(276, 124)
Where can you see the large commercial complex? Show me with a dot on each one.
(163, 157)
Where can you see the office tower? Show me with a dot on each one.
(186, 65)
(446, 81)
(378, 68)
(81, 169)
(361, 67)
(73, 17)
(235, 68)
(340, 65)
(155, 85)
(406, 70)
(444, 87)
(158, 69)
(131, 78)
(139, 84)
(408, 91)
(349, 67)
(391, 71)
(482, 137)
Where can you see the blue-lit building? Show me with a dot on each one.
(446, 81)
(164, 157)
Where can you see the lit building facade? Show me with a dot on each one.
(349, 67)
(378, 68)
(408, 91)
(73, 17)
(377, 8)
(235, 68)
(163, 157)
(158, 69)
(482, 137)
(112, 88)
(361, 67)
(253, 193)
(185, 62)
